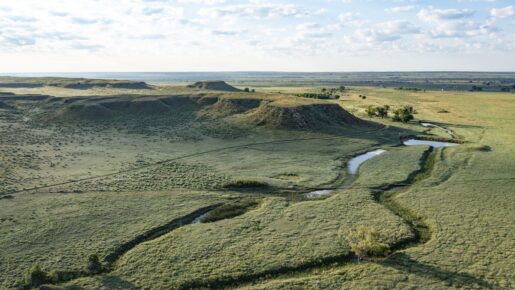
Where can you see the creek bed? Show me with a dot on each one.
(352, 168)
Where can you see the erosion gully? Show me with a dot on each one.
(384, 195)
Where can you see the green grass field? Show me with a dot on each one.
(73, 185)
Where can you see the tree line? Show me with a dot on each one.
(403, 114)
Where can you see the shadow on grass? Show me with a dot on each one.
(107, 282)
(113, 282)
(404, 263)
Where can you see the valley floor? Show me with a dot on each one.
(128, 189)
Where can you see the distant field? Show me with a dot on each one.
(461, 81)
(87, 171)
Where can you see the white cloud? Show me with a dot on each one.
(431, 14)
(169, 34)
(399, 9)
(207, 2)
(503, 12)
(257, 10)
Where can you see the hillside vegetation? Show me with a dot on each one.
(180, 187)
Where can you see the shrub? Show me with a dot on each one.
(377, 111)
(382, 111)
(245, 184)
(316, 96)
(364, 243)
(36, 277)
(229, 210)
(404, 114)
(94, 266)
(371, 111)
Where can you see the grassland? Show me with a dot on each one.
(78, 185)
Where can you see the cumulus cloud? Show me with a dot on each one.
(432, 14)
(172, 29)
(503, 12)
(257, 10)
(399, 9)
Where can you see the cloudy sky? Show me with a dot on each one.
(238, 35)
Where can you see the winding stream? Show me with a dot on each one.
(384, 196)
(431, 125)
(436, 144)
(352, 168)
(354, 164)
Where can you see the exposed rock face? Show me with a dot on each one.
(214, 86)
(307, 117)
(238, 109)
(70, 83)
(227, 107)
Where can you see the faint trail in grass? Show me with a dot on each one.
(189, 156)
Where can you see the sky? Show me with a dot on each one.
(256, 35)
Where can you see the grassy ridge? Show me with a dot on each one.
(466, 199)
(59, 231)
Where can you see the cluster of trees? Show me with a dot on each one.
(409, 89)
(340, 89)
(323, 96)
(381, 112)
(403, 114)
(247, 90)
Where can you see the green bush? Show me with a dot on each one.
(377, 111)
(364, 243)
(36, 277)
(371, 111)
(245, 184)
(409, 89)
(404, 114)
(94, 266)
(316, 96)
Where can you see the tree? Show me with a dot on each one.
(247, 90)
(94, 266)
(371, 111)
(382, 111)
(36, 277)
(342, 88)
(364, 243)
(404, 114)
